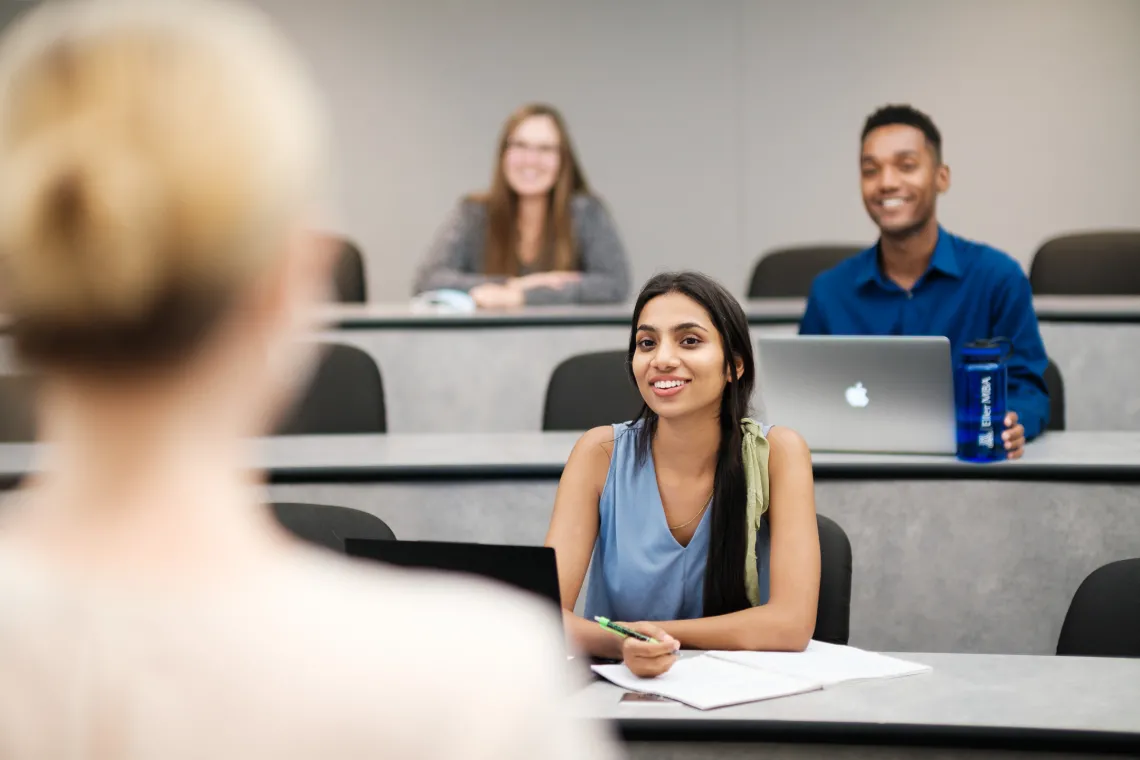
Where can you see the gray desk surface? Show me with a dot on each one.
(400, 316)
(1074, 455)
(371, 316)
(977, 698)
(766, 311)
(1055, 456)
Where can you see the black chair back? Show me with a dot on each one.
(1056, 386)
(1088, 264)
(1104, 617)
(833, 614)
(348, 274)
(346, 395)
(789, 272)
(590, 390)
(17, 409)
(329, 526)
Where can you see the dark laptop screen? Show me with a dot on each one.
(530, 568)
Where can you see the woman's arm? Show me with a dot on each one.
(787, 621)
(605, 269)
(455, 255)
(573, 531)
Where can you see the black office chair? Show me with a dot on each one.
(329, 526)
(346, 395)
(17, 409)
(789, 272)
(833, 613)
(1088, 264)
(1056, 388)
(1104, 617)
(590, 390)
(348, 275)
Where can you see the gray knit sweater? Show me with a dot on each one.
(455, 259)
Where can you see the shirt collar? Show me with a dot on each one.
(944, 260)
(868, 269)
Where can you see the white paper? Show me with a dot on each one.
(826, 664)
(705, 682)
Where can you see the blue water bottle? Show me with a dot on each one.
(980, 385)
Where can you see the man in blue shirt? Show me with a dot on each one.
(921, 280)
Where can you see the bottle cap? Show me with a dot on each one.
(988, 349)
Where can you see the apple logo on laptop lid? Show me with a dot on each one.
(857, 396)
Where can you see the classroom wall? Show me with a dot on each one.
(718, 129)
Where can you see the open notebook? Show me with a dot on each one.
(719, 679)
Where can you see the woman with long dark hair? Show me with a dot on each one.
(538, 235)
(700, 521)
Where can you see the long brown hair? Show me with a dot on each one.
(559, 250)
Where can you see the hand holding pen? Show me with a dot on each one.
(647, 650)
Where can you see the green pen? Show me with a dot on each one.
(622, 631)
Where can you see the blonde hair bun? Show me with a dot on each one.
(82, 221)
(154, 156)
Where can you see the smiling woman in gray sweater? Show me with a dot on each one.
(538, 236)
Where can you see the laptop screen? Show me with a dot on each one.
(530, 568)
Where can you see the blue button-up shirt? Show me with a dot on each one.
(970, 291)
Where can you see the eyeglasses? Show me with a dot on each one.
(545, 149)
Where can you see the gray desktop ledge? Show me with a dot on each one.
(760, 312)
(1078, 455)
(1048, 704)
(402, 316)
(767, 311)
(1055, 456)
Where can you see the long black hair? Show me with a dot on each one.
(724, 569)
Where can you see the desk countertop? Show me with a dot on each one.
(765, 311)
(1078, 455)
(402, 315)
(1008, 701)
(405, 316)
(1055, 456)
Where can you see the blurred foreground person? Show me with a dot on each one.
(160, 163)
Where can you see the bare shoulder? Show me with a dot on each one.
(598, 438)
(436, 602)
(590, 459)
(400, 608)
(787, 447)
(596, 446)
(791, 481)
(395, 634)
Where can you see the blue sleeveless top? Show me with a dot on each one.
(639, 571)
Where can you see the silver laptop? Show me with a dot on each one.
(860, 393)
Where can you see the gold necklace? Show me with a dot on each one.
(694, 517)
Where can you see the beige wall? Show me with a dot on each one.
(1038, 102)
(719, 128)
